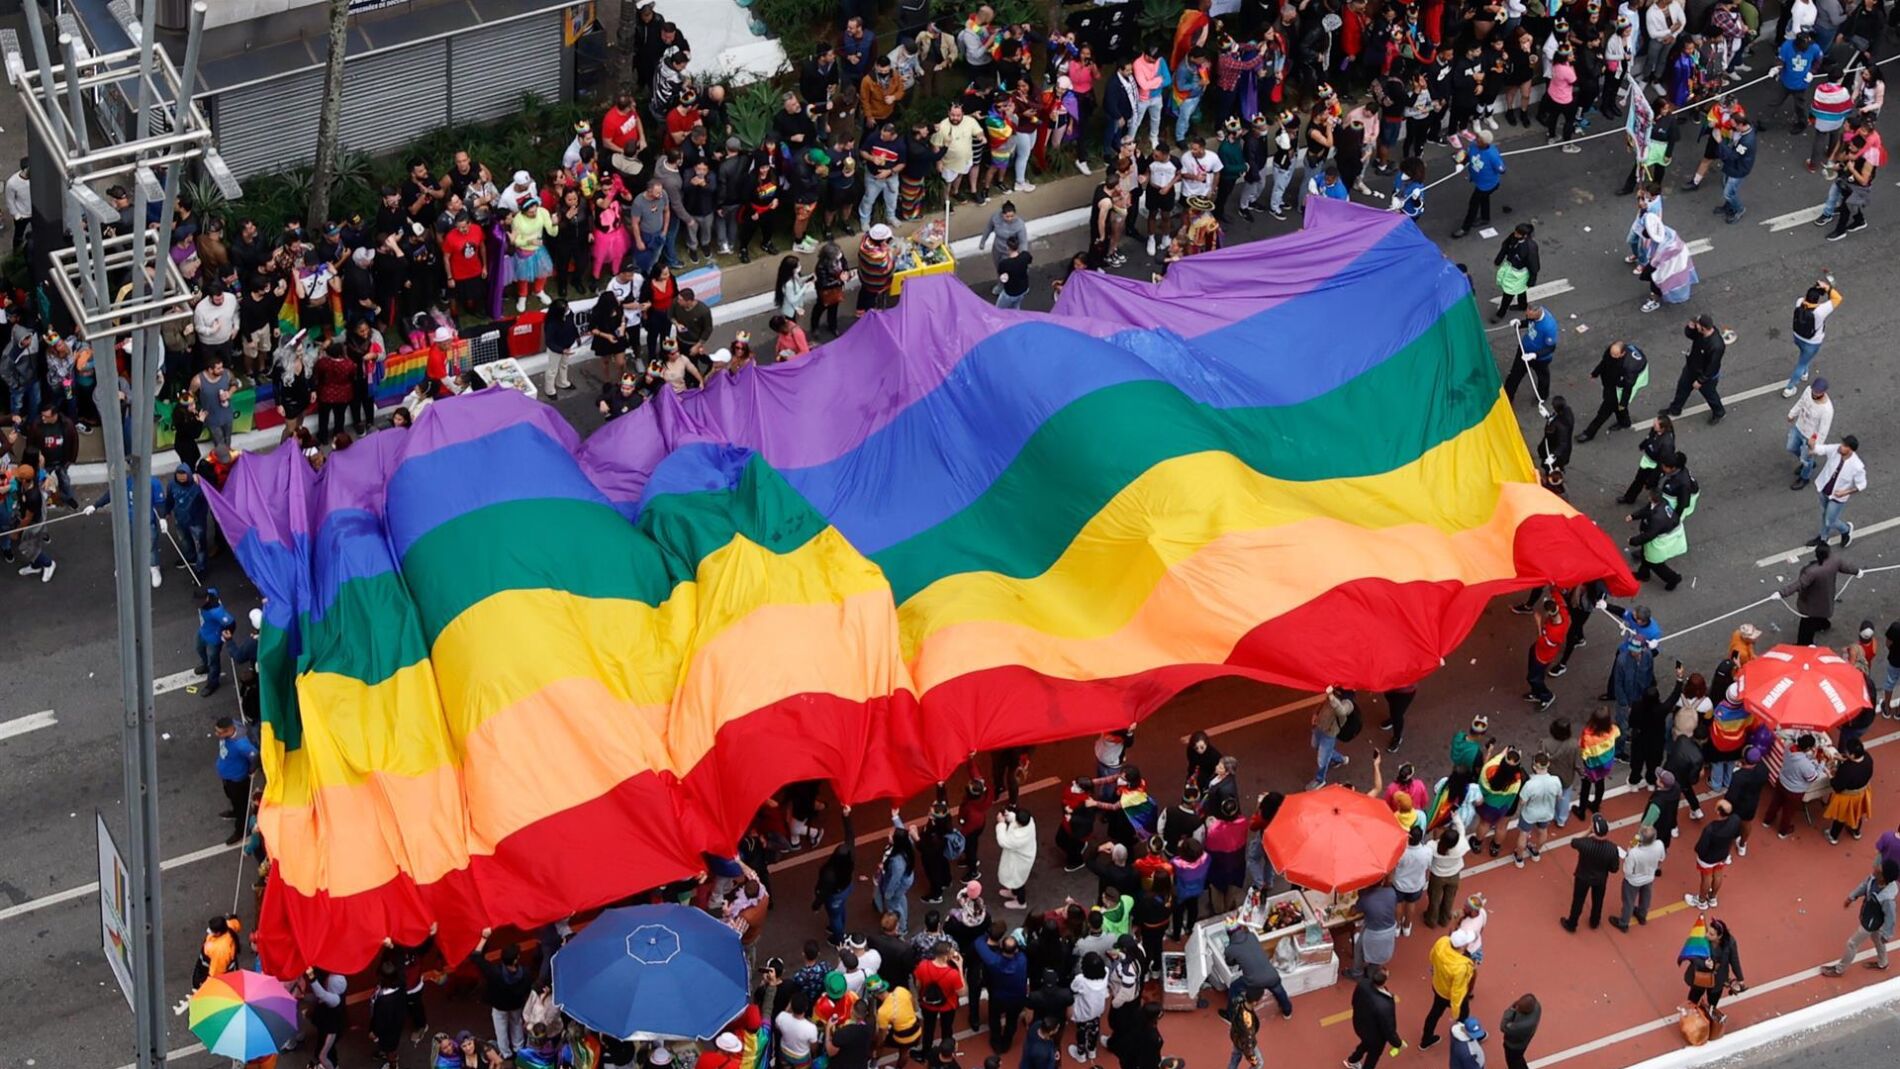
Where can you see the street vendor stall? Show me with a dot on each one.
(927, 252)
(1286, 927)
(1802, 690)
(1330, 843)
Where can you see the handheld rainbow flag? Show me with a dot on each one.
(507, 675)
(1696, 947)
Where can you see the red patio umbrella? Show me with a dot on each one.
(1802, 687)
(1334, 839)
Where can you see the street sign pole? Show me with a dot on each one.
(123, 286)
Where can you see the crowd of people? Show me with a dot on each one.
(1274, 104)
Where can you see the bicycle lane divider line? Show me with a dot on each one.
(36, 904)
(1792, 556)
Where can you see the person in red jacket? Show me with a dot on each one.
(1553, 630)
(336, 389)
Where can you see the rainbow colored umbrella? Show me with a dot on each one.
(243, 1015)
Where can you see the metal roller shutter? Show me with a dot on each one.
(268, 126)
(389, 98)
(490, 67)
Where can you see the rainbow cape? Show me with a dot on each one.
(508, 675)
(1696, 947)
(1728, 727)
(1598, 750)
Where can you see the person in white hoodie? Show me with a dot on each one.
(1808, 423)
(1016, 838)
(1090, 987)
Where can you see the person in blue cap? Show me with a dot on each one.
(1466, 1037)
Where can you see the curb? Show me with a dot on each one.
(1754, 1037)
(94, 473)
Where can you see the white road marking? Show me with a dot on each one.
(1800, 551)
(1792, 219)
(1661, 1023)
(199, 1048)
(1759, 391)
(1700, 246)
(1545, 291)
(57, 897)
(31, 722)
(175, 681)
(1269, 714)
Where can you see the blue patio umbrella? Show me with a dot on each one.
(664, 970)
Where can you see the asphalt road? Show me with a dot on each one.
(58, 1005)
(1871, 1038)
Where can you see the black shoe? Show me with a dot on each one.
(201, 670)
(1429, 1042)
(208, 691)
(1799, 482)
(236, 838)
(1569, 925)
(1556, 670)
(1847, 535)
(1394, 747)
(229, 814)
(1717, 417)
(1522, 609)
(1857, 224)
(1460, 232)
(1619, 924)
(1626, 501)
(1586, 436)
(1247, 214)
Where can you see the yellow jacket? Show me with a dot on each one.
(1451, 972)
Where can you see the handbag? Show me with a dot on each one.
(1693, 1024)
(1703, 979)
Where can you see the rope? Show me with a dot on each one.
(1691, 106)
(46, 523)
(189, 567)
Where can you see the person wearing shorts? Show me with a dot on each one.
(1746, 785)
(1712, 854)
(1539, 802)
(1162, 175)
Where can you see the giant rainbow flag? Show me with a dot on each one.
(509, 674)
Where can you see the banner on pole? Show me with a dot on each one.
(115, 909)
(1638, 119)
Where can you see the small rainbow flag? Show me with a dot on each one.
(1696, 947)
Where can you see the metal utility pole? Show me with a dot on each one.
(123, 287)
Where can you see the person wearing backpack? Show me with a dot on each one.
(939, 983)
(1876, 895)
(1335, 721)
(1810, 329)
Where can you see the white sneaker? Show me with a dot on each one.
(47, 575)
(29, 570)
(545, 299)
(1151, 244)
(1741, 849)
(1790, 391)
(1693, 902)
(1025, 187)
(521, 304)
(158, 577)
(1083, 166)
(1651, 305)
(1491, 121)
